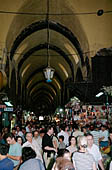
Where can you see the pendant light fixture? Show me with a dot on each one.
(49, 71)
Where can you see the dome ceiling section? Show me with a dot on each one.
(38, 37)
(57, 56)
(37, 75)
(34, 81)
(42, 92)
(28, 46)
(44, 87)
(50, 85)
(42, 25)
(66, 15)
(46, 97)
(32, 65)
(38, 92)
(23, 18)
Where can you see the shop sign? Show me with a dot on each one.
(8, 109)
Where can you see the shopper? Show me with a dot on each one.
(5, 163)
(61, 142)
(72, 145)
(94, 150)
(33, 145)
(47, 145)
(15, 150)
(83, 160)
(29, 160)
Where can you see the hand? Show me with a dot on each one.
(55, 150)
(7, 155)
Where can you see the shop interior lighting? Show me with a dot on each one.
(8, 104)
(99, 94)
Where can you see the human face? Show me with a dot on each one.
(14, 132)
(19, 141)
(73, 141)
(36, 134)
(51, 131)
(111, 136)
(66, 129)
(9, 140)
(18, 129)
(103, 128)
(90, 141)
(29, 137)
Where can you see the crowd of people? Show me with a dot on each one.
(55, 147)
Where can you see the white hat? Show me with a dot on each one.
(82, 141)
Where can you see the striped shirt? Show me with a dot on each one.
(83, 161)
(96, 136)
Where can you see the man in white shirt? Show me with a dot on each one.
(35, 135)
(31, 143)
(94, 150)
(77, 132)
(40, 136)
(65, 134)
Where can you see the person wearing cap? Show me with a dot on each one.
(82, 160)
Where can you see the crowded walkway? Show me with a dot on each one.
(39, 146)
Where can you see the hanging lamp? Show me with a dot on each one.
(48, 71)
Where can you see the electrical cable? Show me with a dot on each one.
(50, 14)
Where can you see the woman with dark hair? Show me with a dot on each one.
(72, 145)
(30, 161)
(19, 140)
(64, 153)
(63, 164)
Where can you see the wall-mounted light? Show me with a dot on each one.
(8, 104)
(99, 94)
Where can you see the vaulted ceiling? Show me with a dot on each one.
(77, 32)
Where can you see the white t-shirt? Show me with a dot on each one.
(94, 150)
(66, 137)
(110, 168)
(77, 133)
(35, 147)
(105, 134)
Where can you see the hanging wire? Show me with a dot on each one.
(48, 34)
(54, 14)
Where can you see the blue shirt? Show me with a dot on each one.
(6, 164)
(15, 150)
(32, 164)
